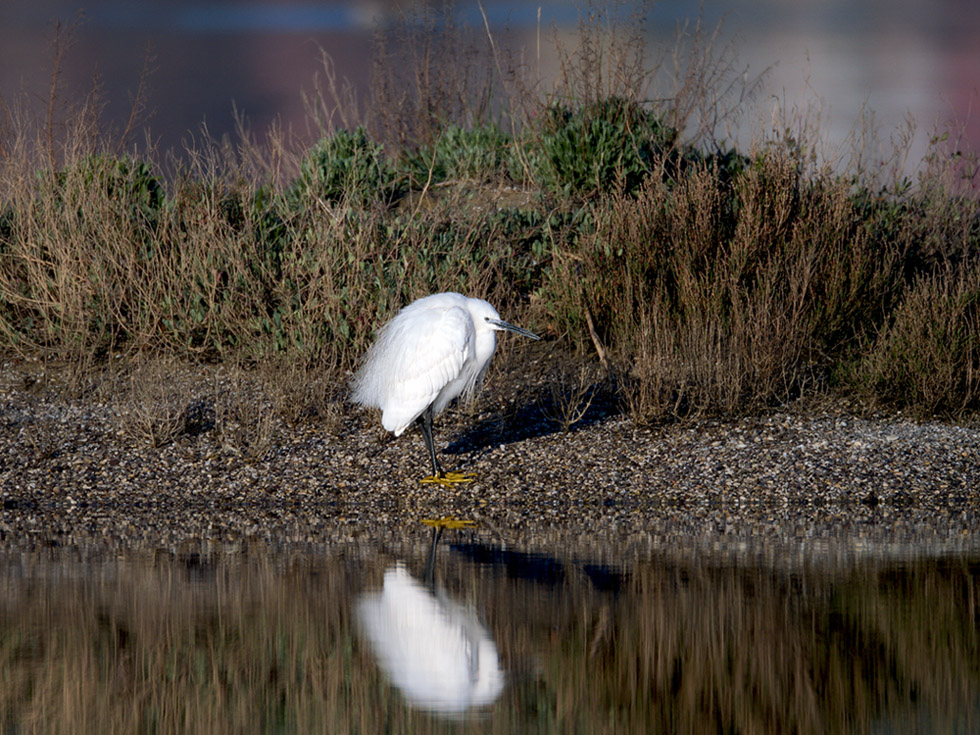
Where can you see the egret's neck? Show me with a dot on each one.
(486, 343)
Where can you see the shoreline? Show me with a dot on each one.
(75, 478)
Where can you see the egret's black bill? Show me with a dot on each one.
(511, 328)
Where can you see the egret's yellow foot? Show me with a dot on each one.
(448, 522)
(448, 479)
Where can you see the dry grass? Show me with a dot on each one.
(152, 402)
(720, 298)
(245, 418)
(430, 72)
(928, 357)
(304, 395)
(572, 388)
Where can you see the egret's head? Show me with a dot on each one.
(485, 316)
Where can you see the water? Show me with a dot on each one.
(767, 639)
(902, 59)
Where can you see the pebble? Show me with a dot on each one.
(75, 474)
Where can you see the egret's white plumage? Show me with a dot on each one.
(433, 350)
(432, 648)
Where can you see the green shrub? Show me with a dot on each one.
(344, 168)
(479, 155)
(711, 281)
(594, 147)
(133, 194)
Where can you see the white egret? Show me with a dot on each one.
(431, 647)
(433, 350)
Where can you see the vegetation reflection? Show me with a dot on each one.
(665, 644)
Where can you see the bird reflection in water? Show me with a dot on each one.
(432, 648)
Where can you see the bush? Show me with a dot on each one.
(595, 147)
(72, 249)
(717, 298)
(479, 155)
(344, 168)
(928, 357)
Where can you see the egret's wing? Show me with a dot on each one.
(426, 351)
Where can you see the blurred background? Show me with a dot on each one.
(201, 60)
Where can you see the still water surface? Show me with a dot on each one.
(482, 637)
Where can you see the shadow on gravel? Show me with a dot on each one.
(544, 414)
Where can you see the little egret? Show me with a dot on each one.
(433, 350)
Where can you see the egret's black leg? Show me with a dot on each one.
(438, 476)
(425, 422)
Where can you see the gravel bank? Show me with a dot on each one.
(82, 473)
